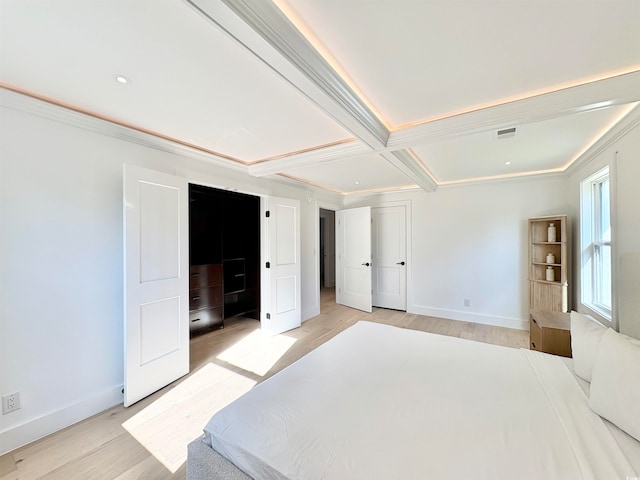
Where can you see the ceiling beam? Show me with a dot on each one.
(412, 167)
(265, 31)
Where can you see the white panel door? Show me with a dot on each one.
(156, 272)
(389, 252)
(281, 309)
(353, 248)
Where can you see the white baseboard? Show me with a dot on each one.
(516, 323)
(32, 430)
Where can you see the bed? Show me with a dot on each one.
(378, 401)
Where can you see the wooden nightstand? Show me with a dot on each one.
(550, 332)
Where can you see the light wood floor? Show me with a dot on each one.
(148, 440)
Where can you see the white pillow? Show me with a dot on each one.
(615, 386)
(586, 334)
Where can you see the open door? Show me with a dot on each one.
(156, 272)
(353, 247)
(389, 250)
(281, 309)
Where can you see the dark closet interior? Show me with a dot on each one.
(224, 257)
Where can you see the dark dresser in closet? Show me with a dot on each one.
(224, 257)
(205, 298)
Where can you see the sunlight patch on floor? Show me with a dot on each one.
(166, 426)
(257, 352)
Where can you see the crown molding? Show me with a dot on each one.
(265, 31)
(624, 126)
(10, 98)
(617, 90)
(519, 177)
(306, 159)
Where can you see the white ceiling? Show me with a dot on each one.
(346, 95)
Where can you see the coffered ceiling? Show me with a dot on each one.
(348, 96)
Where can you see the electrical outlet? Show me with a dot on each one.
(467, 302)
(10, 403)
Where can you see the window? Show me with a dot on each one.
(595, 215)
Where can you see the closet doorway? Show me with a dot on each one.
(224, 257)
(230, 236)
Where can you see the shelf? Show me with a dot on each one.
(538, 228)
(543, 294)
(234, 276)
(547, 282)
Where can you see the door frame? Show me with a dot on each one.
(185, 179)
(258, 192)
(316, 251)
(321, 252)
(335, 208)
(262, 194)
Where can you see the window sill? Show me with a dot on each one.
(602, 317)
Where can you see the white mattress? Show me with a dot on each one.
(378, 401)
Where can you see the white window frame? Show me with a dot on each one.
(591, 243)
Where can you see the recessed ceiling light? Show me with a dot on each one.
(121, 79)
(507, 163)
(357, 182)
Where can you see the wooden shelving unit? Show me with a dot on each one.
(545, 294)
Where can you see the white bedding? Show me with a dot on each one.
(630, 446)
(378, 401)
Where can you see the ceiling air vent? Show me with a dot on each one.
(507, 132)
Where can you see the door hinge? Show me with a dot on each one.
(268, 316)
(267, 214)
(268, 265)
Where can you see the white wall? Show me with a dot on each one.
(61, 301)
(623, 156)
(470, 242)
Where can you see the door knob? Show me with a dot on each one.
(365, 264)
(400, 263)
